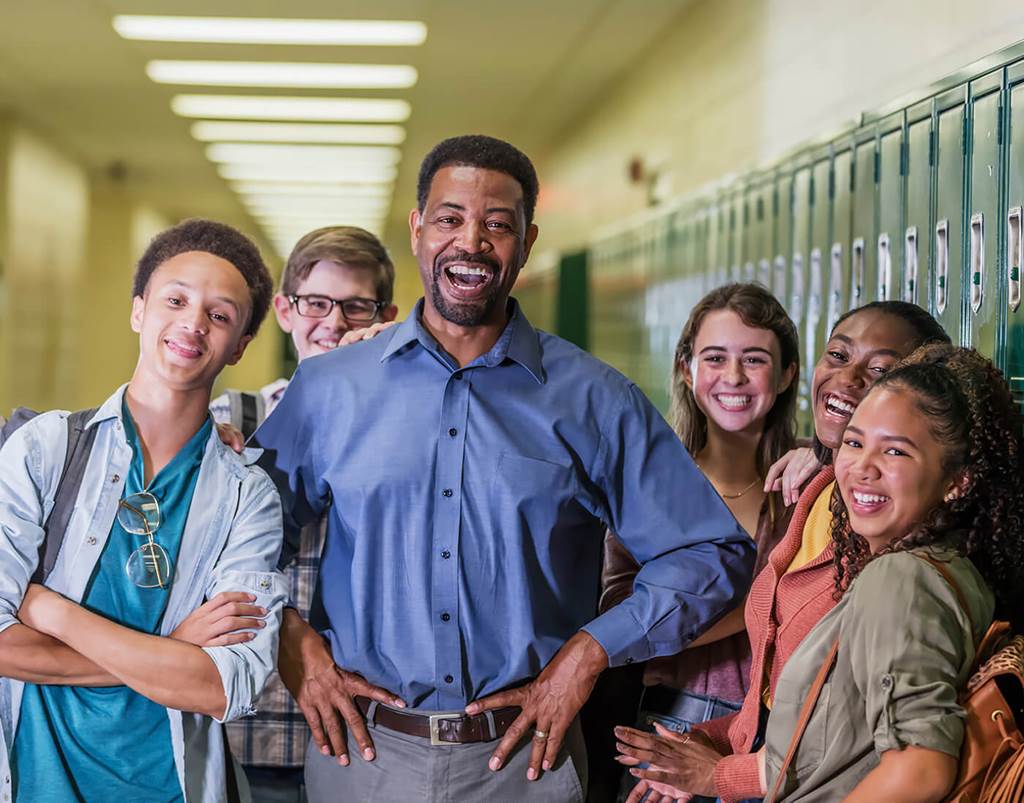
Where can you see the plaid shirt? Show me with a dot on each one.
(278, 735)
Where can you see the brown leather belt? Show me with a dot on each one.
(441, 728)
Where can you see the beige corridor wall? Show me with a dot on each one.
(736, 83)
(44, 217)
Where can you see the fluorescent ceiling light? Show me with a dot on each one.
(299, 206)
(285, 189)
(254, 30)
(327, 133)
(310, 221)
(301, 217)
(283, 74)
(325, 155)
(280, 107)
(311, 173)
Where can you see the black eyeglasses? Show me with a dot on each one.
(353, 309)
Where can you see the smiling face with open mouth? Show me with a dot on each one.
(862, 348)
(471, 240)
(735, 373)
(890, 468)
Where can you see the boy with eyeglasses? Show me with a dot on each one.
(115, 674)
(338, 281)
(336, 288)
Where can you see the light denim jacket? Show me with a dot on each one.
(231, 543)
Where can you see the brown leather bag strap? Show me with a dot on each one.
(805, 717)
(947, 575)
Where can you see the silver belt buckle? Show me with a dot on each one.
(435, 727)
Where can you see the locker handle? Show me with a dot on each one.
(884, 266)
(835, 299)
(779, 280)
(910, 263)
(941, 265)
(977, 260)
(796, 297)
(1015, 245)
(856, 272)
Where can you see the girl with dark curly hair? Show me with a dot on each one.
(930, 466)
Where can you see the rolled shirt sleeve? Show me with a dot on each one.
(911, 648)
(696, 560)
(247, 564)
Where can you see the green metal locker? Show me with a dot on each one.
(782, 212)
(735, 260)
(946, 281)
(1014, 149)
(918, 220)
(763, 230)
(863, 279)
(889, 205)
(818, 266)
(799, 280)
(801, 241)
(839, 251)
(751, 231)
(985, 282)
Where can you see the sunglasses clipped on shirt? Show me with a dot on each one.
(148, 566)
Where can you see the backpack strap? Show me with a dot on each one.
(805, 717)
(76, 459)
(947, 575)
(247, 411)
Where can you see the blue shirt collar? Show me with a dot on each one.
(518, 342)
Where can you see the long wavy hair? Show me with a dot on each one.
(969, 409)
(759, 309)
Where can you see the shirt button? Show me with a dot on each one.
(887, 682)
(446, 554)
(91, 540)
(446, 492)
(446, 616)
(457, 377)
(264, 584)
(449, 679)
(453, 432)
(115, 479)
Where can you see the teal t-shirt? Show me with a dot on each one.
(99, 744)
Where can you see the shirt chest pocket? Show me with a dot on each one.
(532, 483)
(814, 742)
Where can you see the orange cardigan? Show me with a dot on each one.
(781, 609)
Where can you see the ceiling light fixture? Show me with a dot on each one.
(283, 74)
(277, 107)
(313, 174)
(254, 30)
(326, 133)
(293, 189)
(325, 155)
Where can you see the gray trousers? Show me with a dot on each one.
(409, 769)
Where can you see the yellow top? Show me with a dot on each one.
(817, 531)
(813, 540)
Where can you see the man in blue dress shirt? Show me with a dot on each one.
(471, 464)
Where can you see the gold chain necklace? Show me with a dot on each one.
(722, 494)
